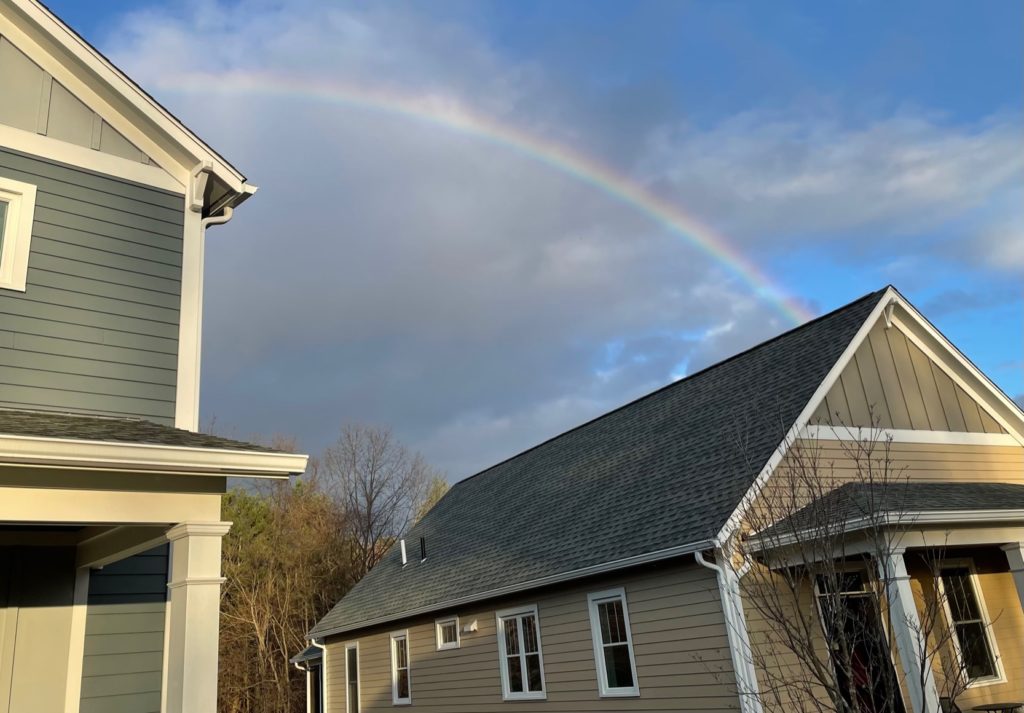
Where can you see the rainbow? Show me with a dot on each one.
(452, 115)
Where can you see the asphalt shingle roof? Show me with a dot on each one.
(44, 424)
(853, 501)
(662, 472)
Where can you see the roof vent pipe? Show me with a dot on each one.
(423, 548)
(405, 560)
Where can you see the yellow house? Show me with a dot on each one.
(611, 568)
(110, 524)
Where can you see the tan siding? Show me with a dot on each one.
(891, 383)
(679, 638)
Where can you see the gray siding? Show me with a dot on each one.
(679, 637)
(124, 635)
(891, 383)
(96, 330)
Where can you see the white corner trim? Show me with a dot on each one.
(76, 649)
(805, 415)
(898, 435)
(16, 232)
(88, 159)
(145, 457)
(190, 322)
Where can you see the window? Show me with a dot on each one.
(971, 627)
(17, 206)
(613, 644)
(401, 686)
(352, 678)
(522, 664)
(316, 688)
(447, 633)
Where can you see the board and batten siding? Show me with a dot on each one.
(679, 637)
(122, 666)
(891, 383)
(96, 330)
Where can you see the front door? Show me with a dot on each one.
(868, 680)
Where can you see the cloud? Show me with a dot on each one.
(474, 299)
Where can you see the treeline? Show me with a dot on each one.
(296, 548)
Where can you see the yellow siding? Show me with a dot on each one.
(891, 383)
(679, 638)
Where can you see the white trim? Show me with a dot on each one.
(76, 649)
(516, 614)
(16, 232)
(602, 568)
(403, 636)
(804, 417)
(166, 653)
(986, 621)
(447, 646)
(359, 682)
(190, 322)
(66, 453)
(594, 600)
(109, 92)
(88, 159)
(901, 435)
(992, 391)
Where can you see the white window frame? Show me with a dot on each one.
(396, 636)
(499, 618)
(359, 683)
(986, 621)
(441, 644)
(593, 600)
(16, 232)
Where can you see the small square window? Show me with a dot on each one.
(17, 209)
(447, 633)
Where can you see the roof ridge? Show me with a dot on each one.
(678, 382)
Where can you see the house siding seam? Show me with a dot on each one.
(679, 639)
(122, 666)
(96, 330)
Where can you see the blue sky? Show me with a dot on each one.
(394, 272)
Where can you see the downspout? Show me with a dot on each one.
(325, 702)
(736, 629)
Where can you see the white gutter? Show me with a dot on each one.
(736, 629)
(72, 454)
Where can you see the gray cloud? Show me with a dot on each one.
(393, 272)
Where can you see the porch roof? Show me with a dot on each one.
(898, 504)
(51, 439)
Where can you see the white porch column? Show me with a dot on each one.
(194, 617)
(924, 694)
(1015, 555)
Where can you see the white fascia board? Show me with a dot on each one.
(604, 567)
(75, 454)
(898, 435)
(804, 417)
(96, 72)
(905, 521)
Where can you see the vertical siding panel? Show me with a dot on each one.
(950, 403)
(890, 380)
(855, 397)
(929, 391)
(864, 362)
(990, 424)
(908, 380)
(839, 410)
(969, 408)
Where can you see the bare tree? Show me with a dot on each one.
(381, 486)
(821, 604)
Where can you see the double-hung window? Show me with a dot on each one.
(401, 683)
(17, 207)
(613, 644)
(972, 629)
(522, 663)
(447, 632)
